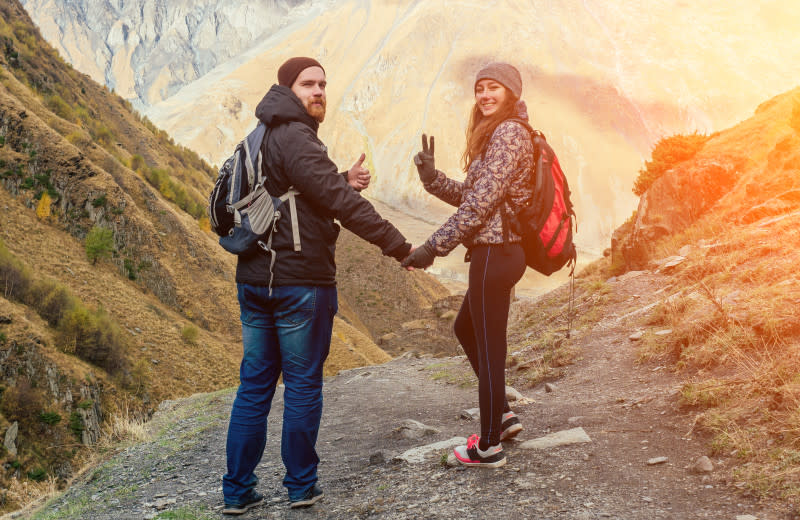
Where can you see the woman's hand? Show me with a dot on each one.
(424, 161)
(420, 257)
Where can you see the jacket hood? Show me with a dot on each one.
(280, 105)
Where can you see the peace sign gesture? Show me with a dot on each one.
(424, 161)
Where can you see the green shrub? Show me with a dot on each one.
(50, 418)
(60, 107)
(667, 153)
(94, 337)
(99, 243)
(130, 268)
(76, 424)
(190, 334)
(27, 184)
(15, 278)
(38, 474)
(85, 404)
(51, 300)
(103, 134)
(138, 163)
(100, 201)
(3, 340)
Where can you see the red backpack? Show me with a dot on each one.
(546, 223)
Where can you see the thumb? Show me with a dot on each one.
(360, 160)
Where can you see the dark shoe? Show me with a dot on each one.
(510, 426)
(251, 500)
(471, 455)
(309, 498)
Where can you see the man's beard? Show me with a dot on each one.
(317, 111)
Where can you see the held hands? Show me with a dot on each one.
(357, 176)
(424, 161)
(420, 257)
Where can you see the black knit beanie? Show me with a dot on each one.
(502, 73)
(292, 68)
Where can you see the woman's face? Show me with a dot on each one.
(489, 96)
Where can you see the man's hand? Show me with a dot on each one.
(358, 177)
(426, 166)
(420, 257)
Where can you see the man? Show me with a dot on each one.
(287, 328)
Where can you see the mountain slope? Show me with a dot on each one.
(90, 341)
(603, 80)
(724, 225)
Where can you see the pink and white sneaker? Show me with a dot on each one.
(471, 455)
(510, 426)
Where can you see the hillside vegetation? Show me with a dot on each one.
(726, 214)
(114, 296)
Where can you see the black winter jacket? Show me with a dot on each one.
(294, 156)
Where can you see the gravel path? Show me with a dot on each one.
(639, 463)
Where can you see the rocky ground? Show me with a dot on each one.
(631, 452)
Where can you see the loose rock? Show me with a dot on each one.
(703, 465)
(414, 430)
(417, 455)
(10, 442)
(562, 438)
(471, 414)
(512, 394)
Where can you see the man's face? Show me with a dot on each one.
(310, 88)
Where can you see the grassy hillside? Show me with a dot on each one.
(733, 302)
(114, 296)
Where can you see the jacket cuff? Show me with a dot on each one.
(436, 179)
(399, 252)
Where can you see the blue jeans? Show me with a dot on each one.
(288, 332)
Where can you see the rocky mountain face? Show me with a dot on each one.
(742, 175)
(146, 50)
(604, 81)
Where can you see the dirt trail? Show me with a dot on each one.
(629, 411)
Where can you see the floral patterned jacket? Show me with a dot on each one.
(500, 176)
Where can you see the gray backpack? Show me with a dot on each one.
(240, 209)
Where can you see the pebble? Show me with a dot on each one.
(657, 460)
(471, 414)
(703, 465)
(512, 394)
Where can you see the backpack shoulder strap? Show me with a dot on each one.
(290, 196)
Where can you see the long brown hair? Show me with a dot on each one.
(481, 128)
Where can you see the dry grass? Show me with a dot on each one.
(125, 427)
(736, 337)
(541, 335)
(31, 492)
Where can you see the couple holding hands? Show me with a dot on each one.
(287, 330)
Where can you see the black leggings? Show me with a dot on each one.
(481, 328)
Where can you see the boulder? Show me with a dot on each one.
(10, 442)
(674, 202)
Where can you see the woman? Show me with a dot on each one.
(498, 158)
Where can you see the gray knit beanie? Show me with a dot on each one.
(502, 73)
